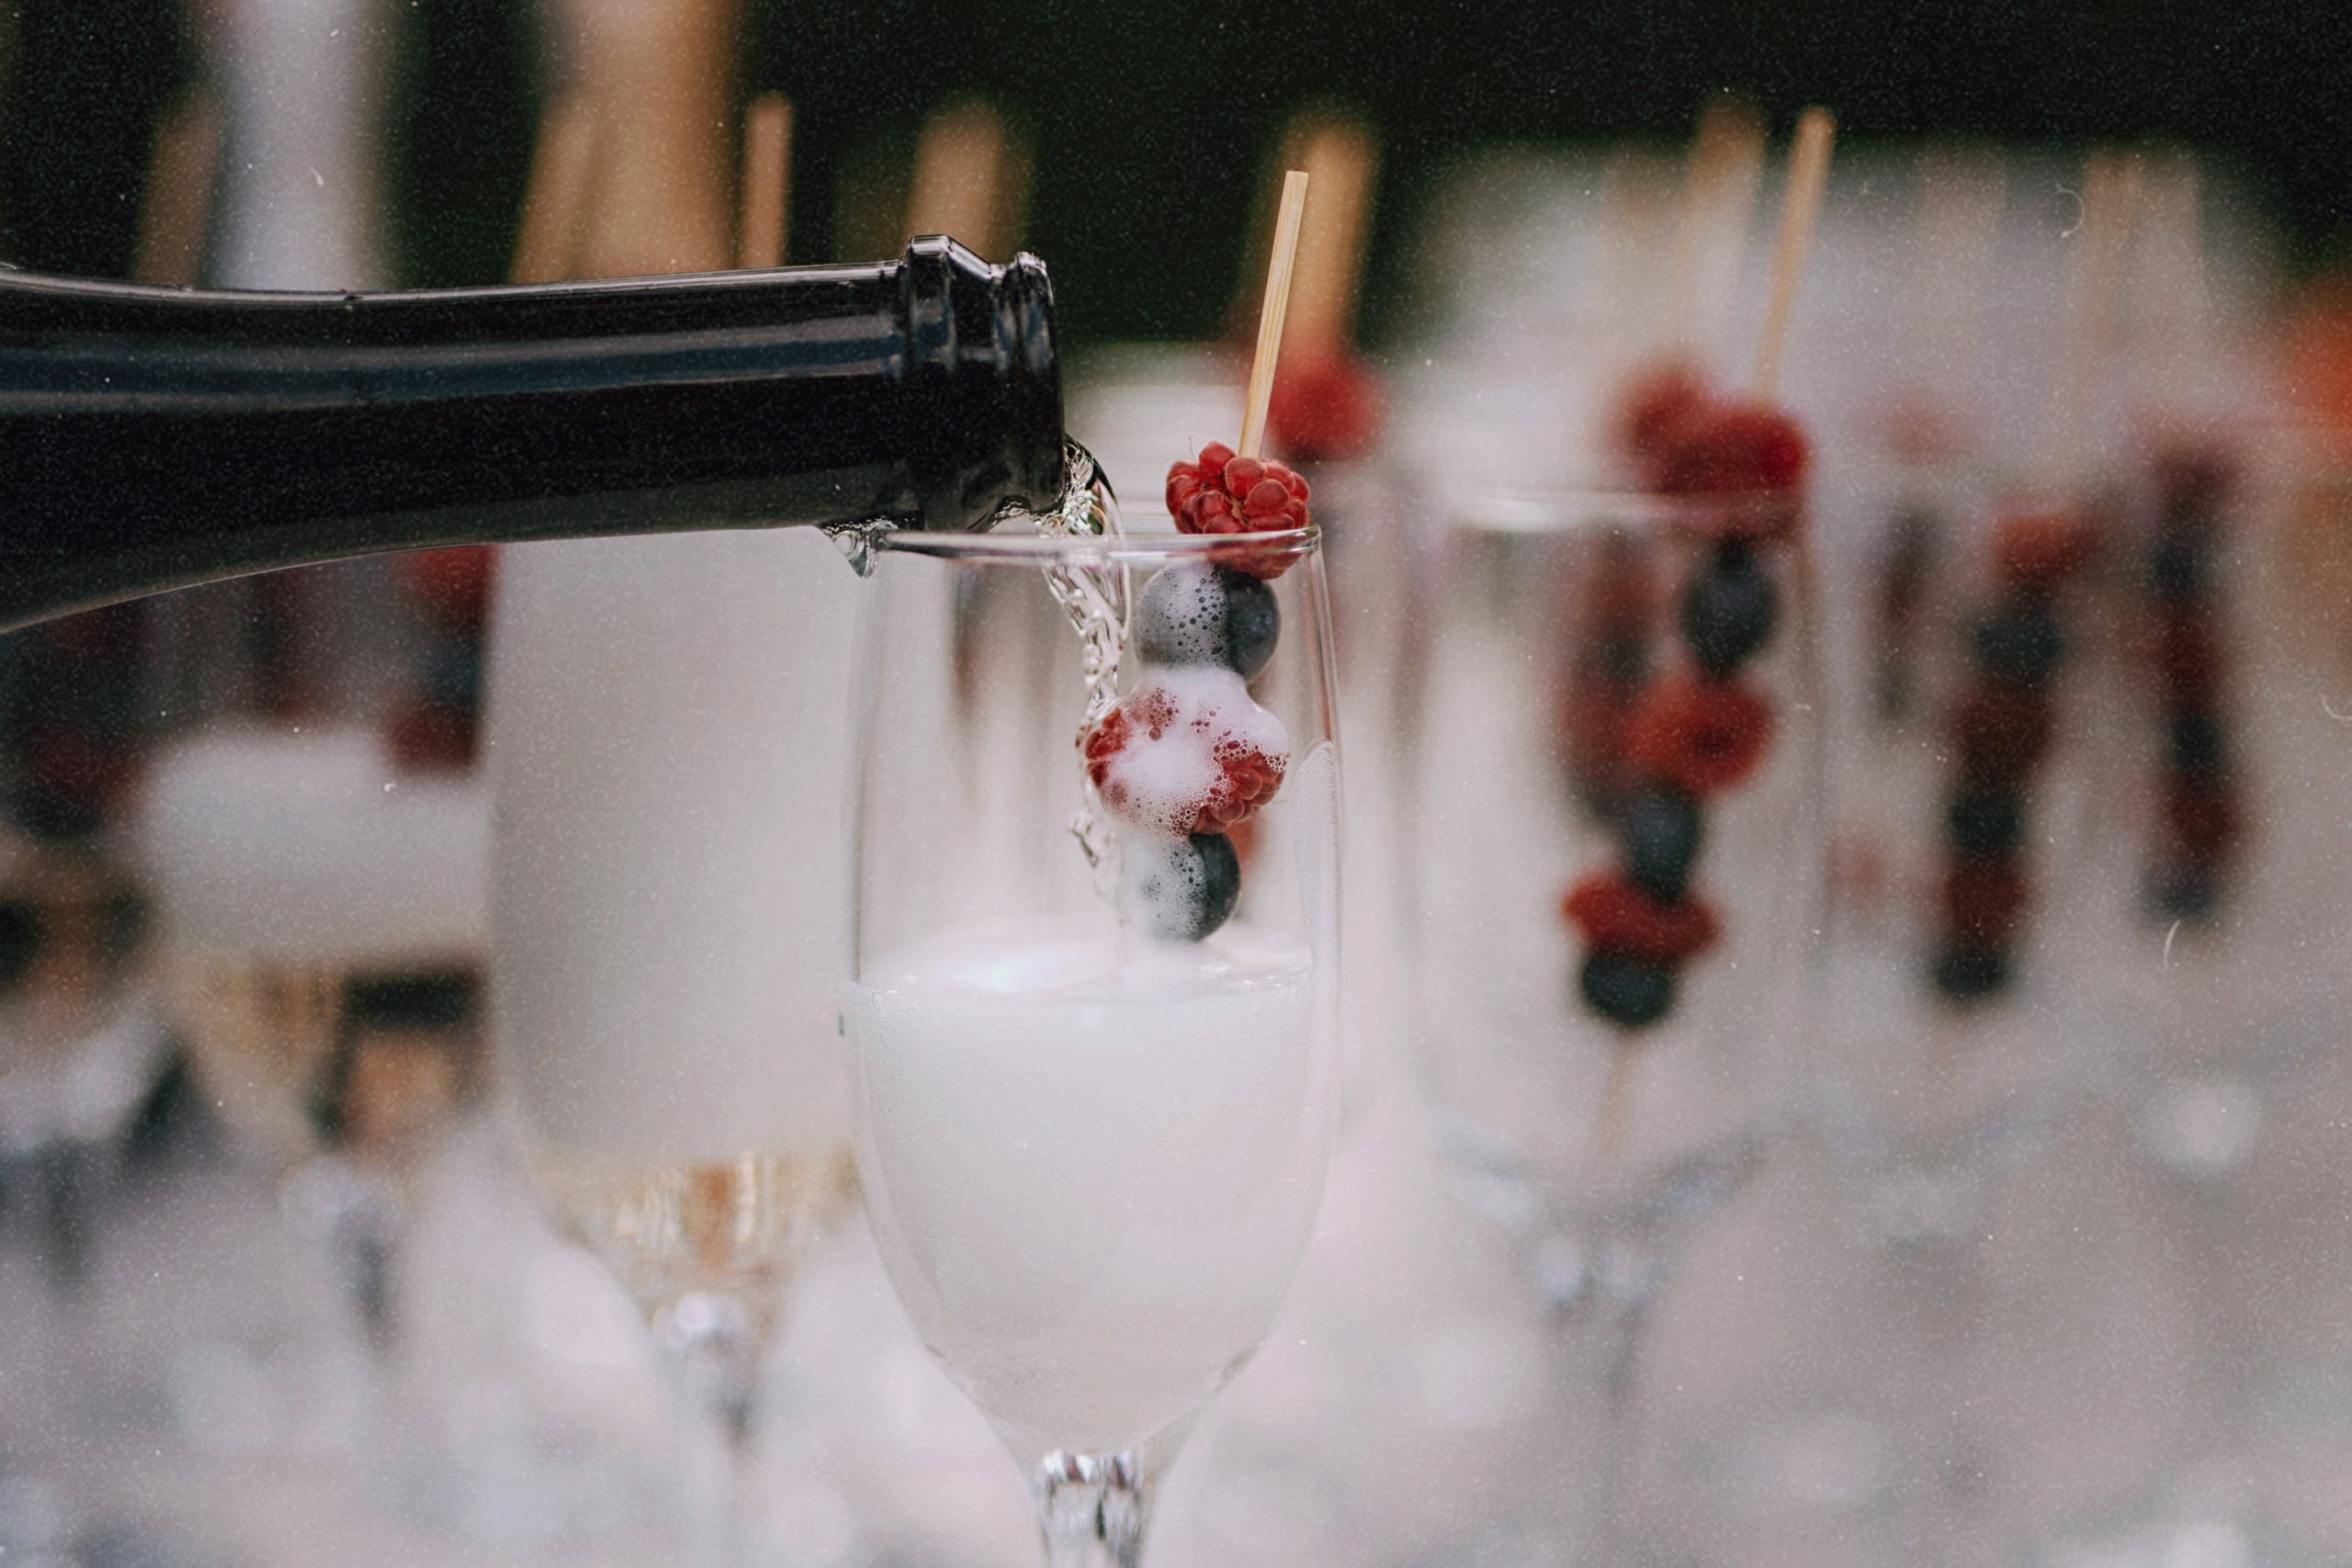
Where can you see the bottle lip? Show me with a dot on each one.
(1151, 548)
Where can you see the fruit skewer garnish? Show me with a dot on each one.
(2197, 798)
(2006, 717)
(2001, 729)
(1700, 726)
(1187, 755)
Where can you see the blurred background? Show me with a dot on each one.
(2035, 1258)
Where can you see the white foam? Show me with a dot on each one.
(1160, 783)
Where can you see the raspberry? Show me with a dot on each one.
(1615, 916)
(1325, 408)
(1659, 400)
(1220, 493)
(2003, 731)
(2036, 553)
(1730, 448)
(1699, 736)
(1188, 753)
(2189, 657)
(2200, 818)
(452, 586)
(1984, 903)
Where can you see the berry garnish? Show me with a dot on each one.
(1729, 609)
(1727, 449)
(1629, 991)
(1193, 613)
(1188, 752)
(1220, 493)
(2003, 730)
(1985, 902)
(1181, 889)
(1325, 408)
(2019, 642)
(1655, 406)
(1700, 736)
(2037, 552)
(452, 586)
(1970, 974)
(1986, 822)
(1661, 830)
(1617, 917)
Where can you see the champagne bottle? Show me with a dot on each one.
(158, 437)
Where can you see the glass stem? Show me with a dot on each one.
(1093, 1511)
(713, 1346)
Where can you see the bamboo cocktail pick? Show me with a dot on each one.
(1269, 320)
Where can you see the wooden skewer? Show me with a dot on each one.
(2111, 198)
(759, 226)
(554, 202)
(178, 201)
(1718, 193)
(1800, 209)
(663, 75)
(1270, 319)
(1337, 152)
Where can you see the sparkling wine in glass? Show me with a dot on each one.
(1094, 987)
(668, 763)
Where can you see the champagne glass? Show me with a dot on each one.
(667, 847)
(1095, 1101)
(1613, 818)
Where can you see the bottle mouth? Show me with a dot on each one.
(983, 391)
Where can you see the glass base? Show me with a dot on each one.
(1093, 1512)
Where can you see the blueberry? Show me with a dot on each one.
(2177, 568)
(1196, 613)
(20, 934)
(1662, 829)
(1181, 889)
(2199, 748)
(1630, 992)
(1253, 622)
(1728, 611)
(2020, 642)
(1970, 974)
(2188, 893)
(1987, 823)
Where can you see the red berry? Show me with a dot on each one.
(1325, 408)
(2188, 655)
(1985, 902)
(1615, 916)
(1186, 755)
(1659, 400)
(2200, 816)
(1700, 736)
(2038, 552)
(1730, 448)
(1239, 495)
(1183, 483)
(2003, 730)
(452, 586)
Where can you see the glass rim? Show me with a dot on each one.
(1150, 548)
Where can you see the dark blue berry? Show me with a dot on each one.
(1987, 823)
(2190, 893)
(2199, 748)
(1183, 889)
(1970, 974)
(1729, 609)
(2020, 642)
(1630, 992)
(20, 933)
(1253, 622)
(1196, 613)
(1662, 829)
(2177, 570)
